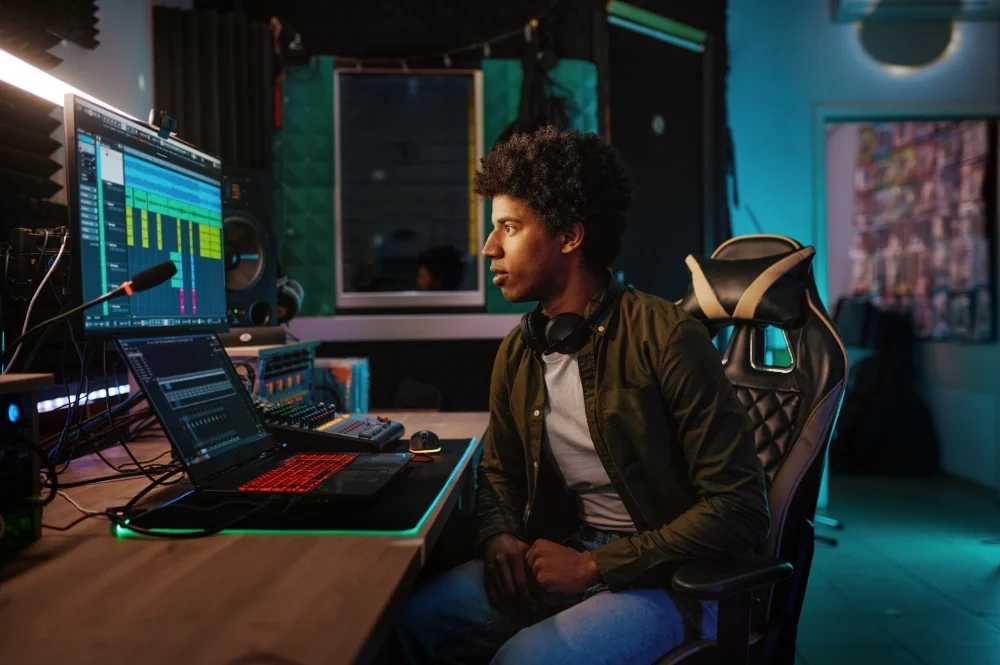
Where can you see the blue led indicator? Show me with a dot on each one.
(13, 413)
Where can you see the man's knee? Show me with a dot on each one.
(432, 607)
(417, 614)
(530, 645)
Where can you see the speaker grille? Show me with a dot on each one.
(245, 254)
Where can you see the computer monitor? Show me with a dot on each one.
(136, 200)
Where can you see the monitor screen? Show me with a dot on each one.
(138, 200)
(198, 397)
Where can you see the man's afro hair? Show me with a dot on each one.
(564, 177)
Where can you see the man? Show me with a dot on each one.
(604, 466)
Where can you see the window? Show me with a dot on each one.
(409, 228)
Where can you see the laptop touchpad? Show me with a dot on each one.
(351, 477)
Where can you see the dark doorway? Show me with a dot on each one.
(657, 122)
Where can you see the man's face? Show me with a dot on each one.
(525, 258)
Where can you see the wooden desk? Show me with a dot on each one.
(84, 596)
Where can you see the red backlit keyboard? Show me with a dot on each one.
(302, 473)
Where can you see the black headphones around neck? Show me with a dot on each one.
(567, 332)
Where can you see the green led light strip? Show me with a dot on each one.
(654, 21)
(125, 532)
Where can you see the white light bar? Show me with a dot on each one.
(61, 402)
(31, 79)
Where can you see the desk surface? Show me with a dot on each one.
(84, 596)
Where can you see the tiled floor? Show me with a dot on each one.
(914, 580)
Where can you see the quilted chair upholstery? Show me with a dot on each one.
(751, 282)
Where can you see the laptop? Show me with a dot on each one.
(210, 419)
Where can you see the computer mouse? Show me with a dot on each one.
(425, 442)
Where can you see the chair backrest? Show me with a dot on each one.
(751, 282)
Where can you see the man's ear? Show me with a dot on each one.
(573, 238)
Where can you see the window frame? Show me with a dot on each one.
(407, 299)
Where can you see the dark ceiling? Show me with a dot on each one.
(401, 28)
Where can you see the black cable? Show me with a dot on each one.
(141, 431)
(127, 403)
(41, 340)
(35, 349)
(82, 396)
(41, 256)
(74, 522)
(201, 533)
(117, 515)
(54, 452)
(149, 461)
(122, 472)
(147, 489)
(114, 427)
(99, 427)
(83, 391)
(125, 475)
(72, 401)
(150, 422)
(91, 426)
(189, 535)
(107, 400)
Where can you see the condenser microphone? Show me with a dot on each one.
(147, 279)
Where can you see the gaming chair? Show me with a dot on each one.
(751, 282)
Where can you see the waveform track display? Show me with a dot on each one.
(172, 185)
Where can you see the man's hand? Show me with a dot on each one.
(560, 569)
(507, 573)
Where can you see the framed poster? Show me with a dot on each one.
(923, 216)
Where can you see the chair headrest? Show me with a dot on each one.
(767, 290)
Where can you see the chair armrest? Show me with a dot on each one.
(722, 578)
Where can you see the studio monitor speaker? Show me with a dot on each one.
(250, 248)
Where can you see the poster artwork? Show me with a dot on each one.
(922, 242)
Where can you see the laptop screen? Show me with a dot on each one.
(199, 399)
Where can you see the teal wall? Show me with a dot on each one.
(304, 163)
(789, 58)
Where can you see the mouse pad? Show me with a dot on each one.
(398, 510)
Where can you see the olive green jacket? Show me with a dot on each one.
(674, 438)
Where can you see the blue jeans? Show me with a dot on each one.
(450, 620)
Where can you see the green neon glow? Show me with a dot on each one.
(654, 21)
(656, 34)
(124, 532)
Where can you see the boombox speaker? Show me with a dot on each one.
(251, 248)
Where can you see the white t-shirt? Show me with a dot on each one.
(569, 448)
